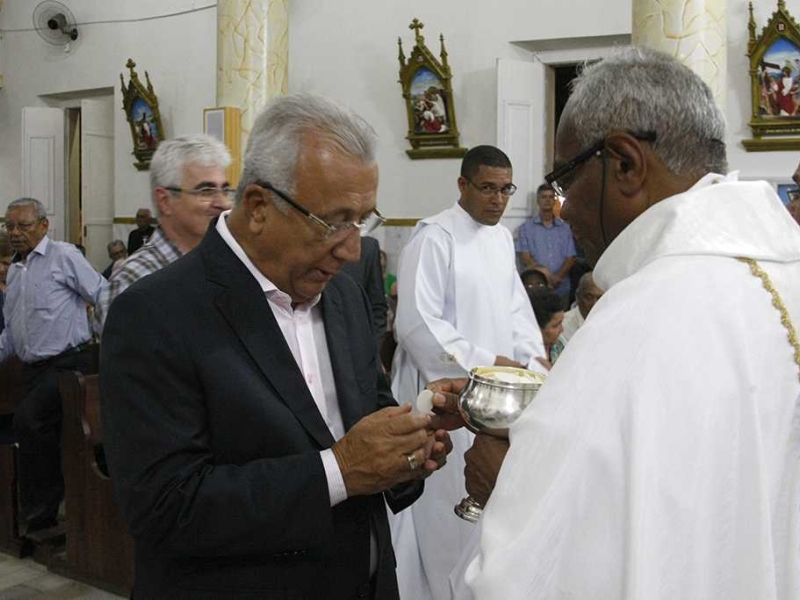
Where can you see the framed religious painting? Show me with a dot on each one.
(141, 108)
(775, 83)
(428, 95)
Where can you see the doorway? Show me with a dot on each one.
(80, 197)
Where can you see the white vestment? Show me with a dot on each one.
(460, 304)
(661, 460)
(573, 319)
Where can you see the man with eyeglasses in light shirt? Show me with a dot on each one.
(461, 305)
(251, 434)
(189, 188)
(49, 285)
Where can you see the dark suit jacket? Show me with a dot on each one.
(136, 238)
(213, 438)
(368, 274)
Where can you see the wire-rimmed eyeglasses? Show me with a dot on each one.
(488, 190)
(558, 180)
(206, 193)
(338, 232)
(10, 226)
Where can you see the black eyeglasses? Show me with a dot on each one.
(206, 193)
(557, 178)
(488, 190)
(336, 232)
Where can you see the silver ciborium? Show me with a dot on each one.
(493, 399)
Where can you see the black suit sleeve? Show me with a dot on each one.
(180, 490)
(368, 275)
(373, 285)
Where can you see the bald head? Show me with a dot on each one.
(587, 294)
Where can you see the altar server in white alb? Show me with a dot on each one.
(661, 459)
(461, 304)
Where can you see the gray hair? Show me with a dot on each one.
(41, 211)
(115, 244)
(173, 156)
(274, 144)
(641, 90)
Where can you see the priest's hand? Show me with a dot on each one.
(445, 403)
(483, 462)
(388, 447)
(504, 361)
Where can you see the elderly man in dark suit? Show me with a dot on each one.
(251, 437)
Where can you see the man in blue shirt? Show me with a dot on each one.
(545, 242)
(49, 285)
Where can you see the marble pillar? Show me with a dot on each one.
(252, 55)
(693, 31)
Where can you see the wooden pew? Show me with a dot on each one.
(10, 397)
(99, 549)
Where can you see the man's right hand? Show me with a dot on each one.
(504, 361)
(374, 455)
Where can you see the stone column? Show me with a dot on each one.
(693, 31)
(252, 55)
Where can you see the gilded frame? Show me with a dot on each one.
(428, 95)
(775, 83)
(140, 104)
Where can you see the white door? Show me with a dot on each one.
(97, 178)
(521, 115)
(43, 162)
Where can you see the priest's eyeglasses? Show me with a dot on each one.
(561, 178)
(793, 194)
(337, 232)
(488, 190)
(206, 192)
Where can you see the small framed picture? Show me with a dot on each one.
(786, 190)
(140, 104)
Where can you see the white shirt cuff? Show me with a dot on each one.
(480, 357)
(336, 489)
(537, 367)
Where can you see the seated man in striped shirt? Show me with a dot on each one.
(189, 188)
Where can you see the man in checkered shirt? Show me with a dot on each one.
(190, 187)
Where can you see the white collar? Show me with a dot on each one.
(718, 216)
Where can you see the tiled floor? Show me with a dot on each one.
(25, 579)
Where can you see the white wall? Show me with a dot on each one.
(348, 50)
(178, 52)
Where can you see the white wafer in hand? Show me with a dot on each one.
(425, 401)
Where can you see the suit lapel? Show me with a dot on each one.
(247, 311)
(341, 360)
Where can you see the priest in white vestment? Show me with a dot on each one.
(661, 460)
(461, 304)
